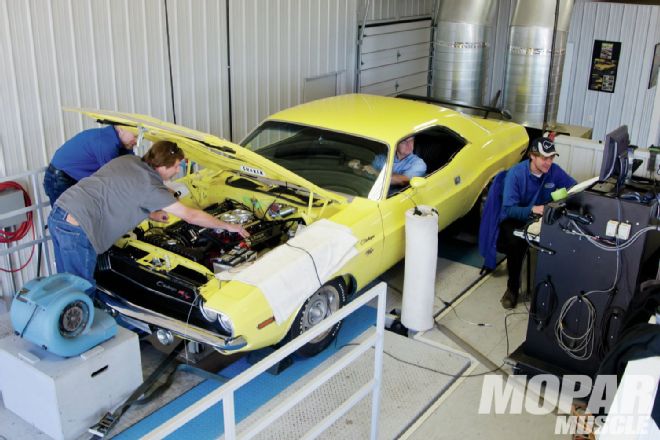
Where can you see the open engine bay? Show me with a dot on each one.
(222, 250)
(169, 278)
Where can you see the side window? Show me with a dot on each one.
(437, 147)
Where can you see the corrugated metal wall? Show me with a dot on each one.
(395, 9)
(637, 27)
(200, 76)
(78, 54)
(296, 39)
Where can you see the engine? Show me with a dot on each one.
(217, 249)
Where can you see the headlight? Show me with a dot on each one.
(226, 324)
(209, 315)
(213, 316)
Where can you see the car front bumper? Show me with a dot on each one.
(160, 321)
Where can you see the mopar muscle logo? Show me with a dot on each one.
(179, 292)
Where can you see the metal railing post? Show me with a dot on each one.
(378, 366)
(229, 416)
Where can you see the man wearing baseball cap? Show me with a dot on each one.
(527, 187)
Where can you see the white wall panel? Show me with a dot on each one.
(276, 44)
(198, 36)
(582, 158)
(637, 27)
(75, 53)
(395, 9)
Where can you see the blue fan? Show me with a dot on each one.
(55, 313)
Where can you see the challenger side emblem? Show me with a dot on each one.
(253, 171)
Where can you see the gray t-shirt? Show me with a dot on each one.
(115, 199)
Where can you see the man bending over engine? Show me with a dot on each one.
(94, 213)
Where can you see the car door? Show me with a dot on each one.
(447, 189)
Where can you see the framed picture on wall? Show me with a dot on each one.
(604, 65)
(653, 79)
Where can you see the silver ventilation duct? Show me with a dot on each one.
(461, 50)
(528, 64)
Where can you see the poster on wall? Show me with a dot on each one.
(604, 64)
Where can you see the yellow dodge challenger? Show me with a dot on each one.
(322, 227)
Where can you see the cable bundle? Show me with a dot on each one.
(7, 237)
(580, 346)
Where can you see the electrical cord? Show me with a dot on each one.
(7, 237)
(578, 346)
(316, 271)
(432, 370)
(451, 306)
(444, 373)
(600, 243)
(458, 376)
(531, 243)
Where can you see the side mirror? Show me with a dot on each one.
(417, 182)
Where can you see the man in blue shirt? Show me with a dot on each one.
(406, 164)
(83, 155)
(527, 187)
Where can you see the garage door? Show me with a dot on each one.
(394, 58)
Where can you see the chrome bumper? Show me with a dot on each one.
(179, 328)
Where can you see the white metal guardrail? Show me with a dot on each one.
(37, 208)
(9, 252)
(226, 392)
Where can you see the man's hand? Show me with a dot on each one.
(159, 216)
(538, 209)
(370, 170)
(204, 219)
(231, 227)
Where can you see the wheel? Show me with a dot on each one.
(324, 302)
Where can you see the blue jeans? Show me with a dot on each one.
(73, 251)
(55, 183)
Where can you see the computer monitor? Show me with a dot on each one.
(615, 156)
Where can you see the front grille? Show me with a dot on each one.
(166, 293)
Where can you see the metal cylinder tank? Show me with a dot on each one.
(529, 58)
(461, 50)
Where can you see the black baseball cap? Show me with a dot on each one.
(543, 146)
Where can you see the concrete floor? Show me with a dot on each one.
(455, 414)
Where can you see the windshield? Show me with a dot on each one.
(331, 160)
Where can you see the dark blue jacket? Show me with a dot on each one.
(512, 194)
(521, 189)
(89, 150)
(489, 227)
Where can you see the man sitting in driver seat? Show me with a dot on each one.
(406, 164)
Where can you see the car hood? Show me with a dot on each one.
(209, 151)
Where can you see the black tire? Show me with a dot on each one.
(324, 302)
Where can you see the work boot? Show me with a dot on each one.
(509, 299)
